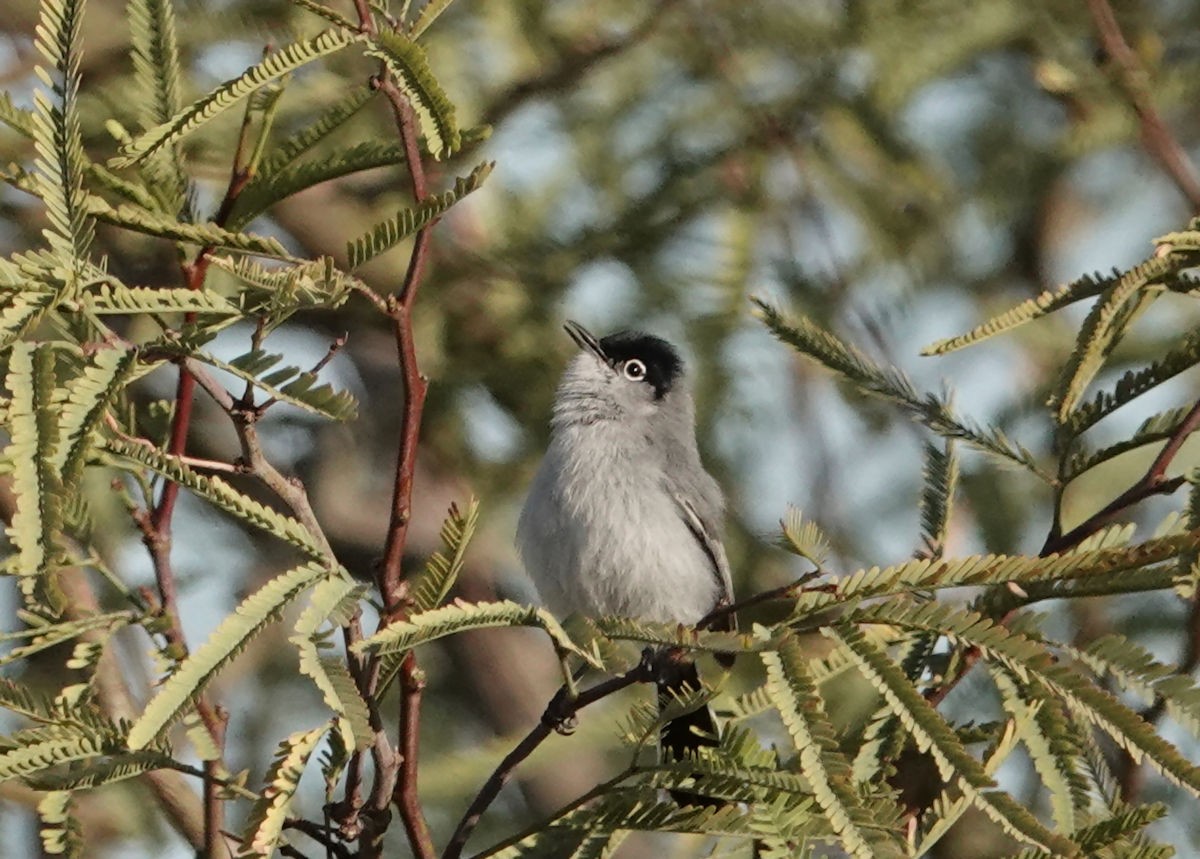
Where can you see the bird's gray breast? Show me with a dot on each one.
(601, 534)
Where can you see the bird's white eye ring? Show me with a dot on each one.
(634, 370)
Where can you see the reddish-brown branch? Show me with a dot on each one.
(415, 384)
(396, 771)
(1153, 482)
(194, 274)
(214, 806)
(392, 586)
(412, 685)
(1157, 139)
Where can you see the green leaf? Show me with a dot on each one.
(291, 385)
(819, 758)
(429, 13)
(1033, 663)
(265, 824)
(974, 570)
(156, 71)
(945, 812)
(150, 223)
(1103, 328)
(268, 188)
(21, 312)
(1044, 304)
(804, 537)
(461, 616)
(30, 758)
(312, 133)
(42, 636)
(326, 13)
(18, 119)
(32, 450)
(118, 298)
(1134, 383)
(1126, 821)
(407, 62)
(101, 771)
(220, 494)
(1133, 668)
(25, 702)
(60, 832)
(333, 596)
(677, 635)
(636, 808)
(233, 91)
(274, 294)
(1154, 430)
(57, 139)
(430, 588)
(229, 639)
(1054, 763)
(408, 221)
(89, 396)
(889, 383)
(933, 734)
(940, 480)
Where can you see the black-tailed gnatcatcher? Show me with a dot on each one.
(622, 518)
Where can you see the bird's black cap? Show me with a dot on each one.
(663, 364)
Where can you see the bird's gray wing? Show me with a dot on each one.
(711, 543)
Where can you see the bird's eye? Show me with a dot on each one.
(634, 370)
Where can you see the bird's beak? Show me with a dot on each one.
(585, 340)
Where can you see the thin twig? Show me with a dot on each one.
(561, 710)
(245, 421)
(1157, 139)
(320, 834)
(404, 794)
(782, 592)
(1153, 482)
(333, 349)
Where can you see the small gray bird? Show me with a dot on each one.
(622, 518)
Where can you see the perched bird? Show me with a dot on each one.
(622, 518)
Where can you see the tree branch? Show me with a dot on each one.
(1153, 482)
(561, 710)
(396, 775)
(1131, 78)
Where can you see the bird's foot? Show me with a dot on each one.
(560, 713)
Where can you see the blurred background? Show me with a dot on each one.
(898, 170)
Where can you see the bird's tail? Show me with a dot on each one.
(683, 736)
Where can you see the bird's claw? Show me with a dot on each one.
(560, 713)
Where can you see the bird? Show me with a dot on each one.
(622, 518)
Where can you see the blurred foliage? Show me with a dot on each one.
(898, 172)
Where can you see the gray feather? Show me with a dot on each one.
(622, 518)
